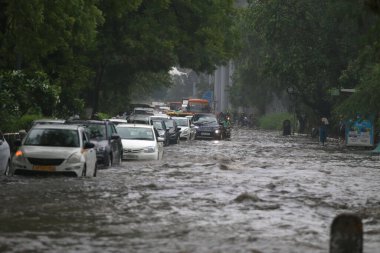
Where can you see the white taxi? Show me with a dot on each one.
(56, 148)
(140, 142)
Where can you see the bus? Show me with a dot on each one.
(190, 106)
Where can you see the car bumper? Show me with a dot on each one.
(140, 156)
(207, 135)
(72, 168)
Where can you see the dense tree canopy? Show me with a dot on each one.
(100, 51)
(312, 46)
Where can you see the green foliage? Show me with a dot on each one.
(100, 53)
(102, 116)
(274, 121)
(300, 44)
(22, 93)
(25, 122)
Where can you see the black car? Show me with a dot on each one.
(162, 130)
(207, 126)
(103, 134)
(174, 131)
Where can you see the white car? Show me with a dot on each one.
(5, 155)
(57, 149)
(140, 142)
(187, 132)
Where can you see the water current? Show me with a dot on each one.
(259, 192)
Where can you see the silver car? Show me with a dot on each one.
(5, 155)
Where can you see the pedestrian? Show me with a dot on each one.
(323, 130)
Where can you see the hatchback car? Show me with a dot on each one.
(5, 155)
(106, 139)
(162, 130)
(140, 142)
(187, 132)
(208, 127)
(57, 149)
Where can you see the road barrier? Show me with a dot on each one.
(12, 137)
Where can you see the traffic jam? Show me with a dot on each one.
(81, 147)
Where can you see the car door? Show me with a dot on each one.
(115, 144)
(160, 144)
(89, 154)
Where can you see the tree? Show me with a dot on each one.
(302, 44)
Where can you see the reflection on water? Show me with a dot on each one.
(258, 192)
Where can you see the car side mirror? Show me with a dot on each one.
(89, 145)
(115, 137)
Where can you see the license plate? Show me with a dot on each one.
(208, 134)
(132, 156)
(44, 168)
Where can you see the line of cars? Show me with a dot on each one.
(80, 147)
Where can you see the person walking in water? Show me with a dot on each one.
(323, 130)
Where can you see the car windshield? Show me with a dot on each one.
(53, 138)
(182, 122)
(169, 123)
(204, 119)
(97, 131)
(136, 133)
(157, 125)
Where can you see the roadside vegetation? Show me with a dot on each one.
(60, 57)
(64, 58)
(315, 48)
(274, 121)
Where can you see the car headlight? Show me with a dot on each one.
(185, 131)
(19, 157)
(74, 158)
(149, 149)
(196, 127)
(217, 131)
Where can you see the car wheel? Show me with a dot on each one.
(84, 171)
(95, 169)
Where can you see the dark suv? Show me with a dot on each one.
(107, 142)
(208, 127)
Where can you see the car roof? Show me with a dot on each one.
(84, 122)
(180, 118)
(49, 121)
(134, 125)
(56, 126)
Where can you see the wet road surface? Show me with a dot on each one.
(259, 192)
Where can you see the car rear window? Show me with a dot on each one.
(136, 133)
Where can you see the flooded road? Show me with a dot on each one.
(259, 192)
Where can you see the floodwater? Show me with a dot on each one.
(258, 192)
